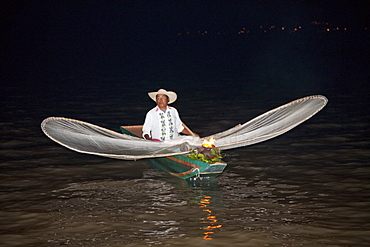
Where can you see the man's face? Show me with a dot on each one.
(162, 100)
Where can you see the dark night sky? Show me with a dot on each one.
(44, 40)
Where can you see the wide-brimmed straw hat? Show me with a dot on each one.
(172, 96)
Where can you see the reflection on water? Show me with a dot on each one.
(208, 196)
(210, 220)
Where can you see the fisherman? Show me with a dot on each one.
(163, 122)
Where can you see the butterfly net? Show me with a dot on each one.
(91, 139)
(270, 124)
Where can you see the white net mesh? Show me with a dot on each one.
(91, 139)
(270, 124)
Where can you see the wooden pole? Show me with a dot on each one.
(186, 127)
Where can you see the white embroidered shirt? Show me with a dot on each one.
(162, 125)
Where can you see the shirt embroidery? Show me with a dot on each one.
(166, 125)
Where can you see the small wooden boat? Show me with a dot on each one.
(179, 165)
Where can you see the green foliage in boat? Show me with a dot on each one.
(211, 155)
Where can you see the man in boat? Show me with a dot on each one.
(163, 122)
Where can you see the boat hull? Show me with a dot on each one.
(184, 167)
(179, 165)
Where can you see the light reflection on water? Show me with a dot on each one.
(308, 187)
(210, 221)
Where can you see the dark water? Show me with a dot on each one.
(309, 187)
